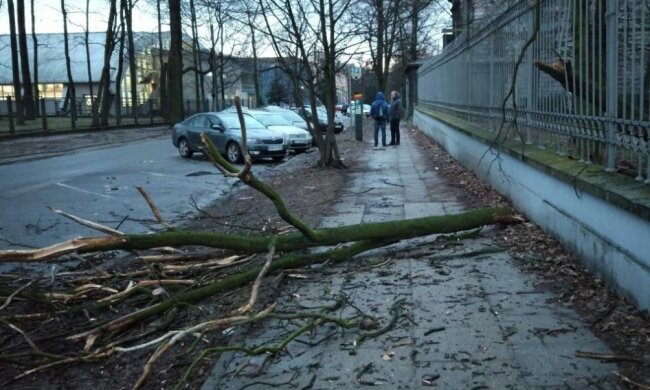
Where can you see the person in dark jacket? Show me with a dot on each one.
(379, 112)
(394, 116)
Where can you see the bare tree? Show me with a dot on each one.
(311, 43)
(120, 62)
(20, 119)
(35, 59)
(104, 98)
(88, 67)
(71, 96)
(133, 77)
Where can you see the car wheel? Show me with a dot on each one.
(277, 158)
(233, 153)
(184, 148)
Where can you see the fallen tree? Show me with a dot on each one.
(168, 289)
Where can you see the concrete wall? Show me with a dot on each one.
(613, 243)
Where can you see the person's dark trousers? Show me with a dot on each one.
(394, 131)
(380, 125)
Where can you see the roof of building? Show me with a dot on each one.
(51, 55)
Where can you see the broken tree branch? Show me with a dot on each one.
(258, 281)
(392, 230)
(152, 206)
(90, 224)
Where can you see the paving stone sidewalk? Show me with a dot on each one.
(465, 316)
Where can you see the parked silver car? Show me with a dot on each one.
(224, 130)
(299, 139)
(289, 115)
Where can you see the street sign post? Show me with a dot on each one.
(355, 72)
(358, 112)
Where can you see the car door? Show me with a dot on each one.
(196, 125)
(217, 135)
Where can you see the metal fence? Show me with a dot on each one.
(55, 114)
(582, 86)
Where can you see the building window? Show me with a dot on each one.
(6, 91)
(50, 91)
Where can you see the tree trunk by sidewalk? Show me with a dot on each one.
(28, 94)
(18, 100)
(175, 64)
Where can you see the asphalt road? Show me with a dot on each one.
(100, 185)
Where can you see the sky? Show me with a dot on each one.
(49, 18)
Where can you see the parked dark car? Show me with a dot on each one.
(224, 130)
(322, 119)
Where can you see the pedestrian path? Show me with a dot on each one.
(465, 316)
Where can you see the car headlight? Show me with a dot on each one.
(252, 141)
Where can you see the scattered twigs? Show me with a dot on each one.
(90, 224)
(396, 310)
(258, 281)
(91, 264)
(174, 336)
(147, 367)
(146, 283)
(11, 297)
(607, 357)
(152, 206)
(29, 341)
(639, 386)
(87, 358)
(211, 264)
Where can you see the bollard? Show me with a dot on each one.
(10, 110)
(358, 120)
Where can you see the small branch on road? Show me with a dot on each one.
(603, 357)
(152, 206)
(90, 224)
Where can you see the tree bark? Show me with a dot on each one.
(18, 100)
(104, 98)
(195, 56)
(88, 68)
(162, 83)
(71, 88)
(175, 63)
(28, 94)
(133, 77)
(120, 63)
(37, 96)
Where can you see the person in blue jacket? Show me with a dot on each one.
(379, 112)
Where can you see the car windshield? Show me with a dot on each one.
(232, 122)
(272, 120)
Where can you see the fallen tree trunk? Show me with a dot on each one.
(259, 243)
